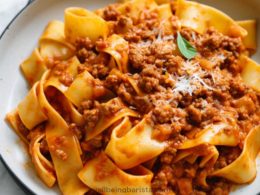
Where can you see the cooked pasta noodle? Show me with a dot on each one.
(143, 97)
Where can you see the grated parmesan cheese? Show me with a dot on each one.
(159, 39)
(144, 44)
(219, 58)
(168, 38)
(190, 66)
(196, 77)
(184, 85)
(176, 120)
(193, 35)
(187, 84)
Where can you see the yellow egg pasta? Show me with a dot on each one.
(142, 97)
(250, 40)
(102, 172)
(80, 22)
(200, 17)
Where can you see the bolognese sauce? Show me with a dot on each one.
(181, 96)
(162, 90)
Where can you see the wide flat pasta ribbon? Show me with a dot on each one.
(192, 154)
(131, 81)
(72, 71)
(250, 41)
(44, 168)
(52, 43)
(131, 147)
(102, 175)
(133, 8)
(29, 109)
(63, 147)
(200, 17)
(81, 89)
(82, 23)
(164, 11)
(118, 48)
(250, 73)
(33, 67)
(164, 15)
(243, 169)
(14, 120)
(159, 2)
(106, 121)
(213, 134)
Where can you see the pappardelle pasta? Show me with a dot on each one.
(143, 97)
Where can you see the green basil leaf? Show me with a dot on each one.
(186, 49)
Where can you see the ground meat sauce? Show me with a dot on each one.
(179, 96)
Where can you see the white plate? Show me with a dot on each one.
(18, 42)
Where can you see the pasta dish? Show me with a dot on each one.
(142, 97)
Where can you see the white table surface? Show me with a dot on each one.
(8, 9)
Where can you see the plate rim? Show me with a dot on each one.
(14, 18)
(15, 178)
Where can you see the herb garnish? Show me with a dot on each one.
(186, 49)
